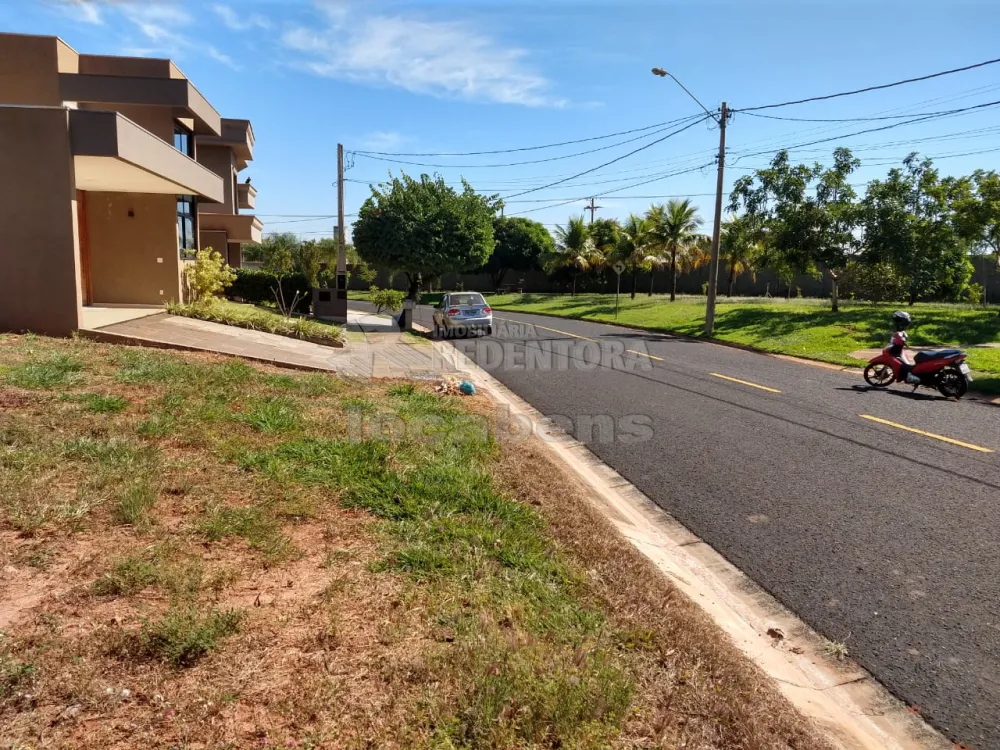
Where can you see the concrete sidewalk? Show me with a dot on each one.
(375, 348)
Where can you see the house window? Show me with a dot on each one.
(187, 242)
(183, 140)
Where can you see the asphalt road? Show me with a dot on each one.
(879, 537)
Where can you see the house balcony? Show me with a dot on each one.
(113, 154)
(246, 196)
(245, 228)
(236, 135)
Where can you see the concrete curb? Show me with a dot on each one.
(841, 698)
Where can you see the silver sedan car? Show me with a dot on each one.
(460, 313)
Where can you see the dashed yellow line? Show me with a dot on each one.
(942, 438)
(745, 382)
(573, 335)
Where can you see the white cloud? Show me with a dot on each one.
(221, 57)
(156, 20)
(446, 59)
(85, 11)
(238, 22)
(384, 140)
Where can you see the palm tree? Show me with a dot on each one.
(634, 247)
(675, 228)
(574, 250)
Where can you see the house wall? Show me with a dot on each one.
(39, 252)
(235, 255)
(215, 239)
(133, 260)
(29, 69)
(219, 160)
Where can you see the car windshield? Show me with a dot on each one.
(467, 300)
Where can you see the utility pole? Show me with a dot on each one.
(713, 268)
(341, 305)
(592, 208)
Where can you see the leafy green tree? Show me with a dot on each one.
(208, 277)
(425, 228)
(910, 220)
(307, 258)
(520, 245)
(807, 214)
(674, 229)
(575, 250)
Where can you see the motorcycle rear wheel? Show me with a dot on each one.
(879, 375)
(952, 384)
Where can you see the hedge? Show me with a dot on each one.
(255, 287)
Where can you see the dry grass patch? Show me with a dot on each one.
(246, 557)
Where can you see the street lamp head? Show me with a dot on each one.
(659, 72)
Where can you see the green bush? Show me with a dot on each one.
(257, 287)
(208, 277)
(259, 319)
(385, 299)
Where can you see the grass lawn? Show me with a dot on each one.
(800, 327)
(200, 552)
(259, 318)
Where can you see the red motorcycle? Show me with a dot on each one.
(944, 370)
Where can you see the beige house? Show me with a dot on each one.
(113, 172)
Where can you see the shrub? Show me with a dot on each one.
(974, 294)
(257, 319)
(385, 299)
(180, 638)
(257, 287)
(209, 276)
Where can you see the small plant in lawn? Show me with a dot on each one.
(13, 675)
(385, 299)
(271, 414)
(158, 566)
(138, 366)
(253, 524)
(180, 638)
(404, 389)
(54, 371)
(97, 403)
(208, 277)
(133, 502)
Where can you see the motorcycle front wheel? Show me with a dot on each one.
(952, 384)
(879, 375)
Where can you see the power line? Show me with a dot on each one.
(534, 148)
(626, 187)
(613, 161)
(860, 132)
(860, 119)
(871, 88)
(516, 163)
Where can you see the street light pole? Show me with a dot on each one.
(713, 268)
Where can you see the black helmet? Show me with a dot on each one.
(901, 320)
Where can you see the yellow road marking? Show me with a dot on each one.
(970, 446)
(567, 333)
(745, 382)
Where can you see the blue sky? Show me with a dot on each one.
(444, 76)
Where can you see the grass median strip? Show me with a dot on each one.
(798, 327)
(250, 557)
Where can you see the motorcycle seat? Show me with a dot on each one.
(940, 354)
